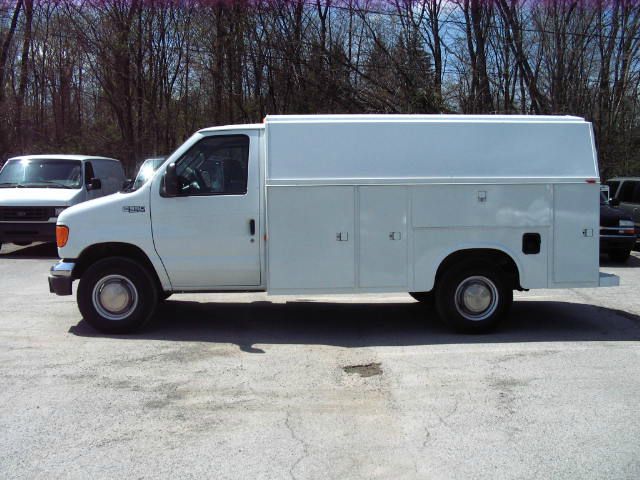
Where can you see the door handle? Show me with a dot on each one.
(252, 226)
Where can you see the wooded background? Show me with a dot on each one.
(134, 78)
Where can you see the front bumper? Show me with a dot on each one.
(61, 277)
(27, 232)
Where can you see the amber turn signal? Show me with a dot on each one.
(62, 235)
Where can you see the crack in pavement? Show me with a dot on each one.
(305, 447)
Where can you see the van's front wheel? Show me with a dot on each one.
(117, 295)
(473, 298)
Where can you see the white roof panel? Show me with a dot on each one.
(246, 126)
(393, 118)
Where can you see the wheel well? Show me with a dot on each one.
(492, 256)
(92, 254)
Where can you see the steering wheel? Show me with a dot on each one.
(201, 184)
(190, 181)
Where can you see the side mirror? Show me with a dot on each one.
(127, 184)
(614, 202)
(170, 181)
(94, 184)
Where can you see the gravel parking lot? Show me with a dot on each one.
(250, 386)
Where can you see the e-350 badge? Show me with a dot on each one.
(133, 209)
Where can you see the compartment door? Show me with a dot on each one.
(311, 237)
(576, 233)
(383, 236)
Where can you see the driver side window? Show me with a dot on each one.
(216, 165)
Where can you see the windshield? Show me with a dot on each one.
(41, 173)
(146, 172)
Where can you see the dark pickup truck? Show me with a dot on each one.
(617, 232)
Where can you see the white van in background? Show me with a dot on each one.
(146, 171)
(35, 189)
(464, 209)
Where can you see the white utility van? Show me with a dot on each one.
(464, 209)
(35, 189)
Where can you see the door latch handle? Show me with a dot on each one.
(252, 226)
(342, 236)
(395, 236)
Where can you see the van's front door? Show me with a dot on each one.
(208, 234)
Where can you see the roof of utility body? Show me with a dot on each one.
(370, 148)
(56, 156)
(423, 118)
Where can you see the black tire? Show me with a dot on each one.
(128, 281)
(619, 255)
(426, 298)
(490, 285)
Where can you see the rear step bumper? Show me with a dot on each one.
(609, 280)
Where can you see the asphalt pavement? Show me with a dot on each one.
(248, 386)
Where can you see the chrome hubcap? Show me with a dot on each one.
(115, 297)
(476, 298)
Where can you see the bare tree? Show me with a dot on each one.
(134, 78)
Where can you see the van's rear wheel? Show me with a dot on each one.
(117, 295)
(473, 298)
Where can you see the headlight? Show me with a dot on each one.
(58, 210)
(626, 223)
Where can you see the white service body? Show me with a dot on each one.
(367, 203)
